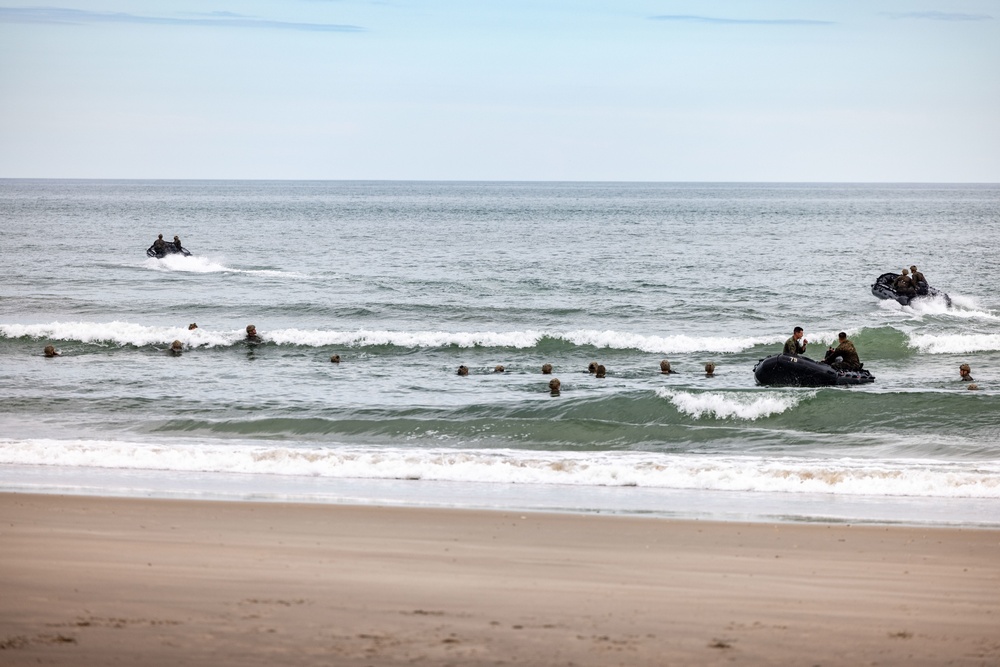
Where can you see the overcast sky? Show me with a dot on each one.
(621, 90)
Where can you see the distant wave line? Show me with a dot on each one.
(139, 335)
(127, 333)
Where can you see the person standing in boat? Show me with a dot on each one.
(847, 353)
(796, 345)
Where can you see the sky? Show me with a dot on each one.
(550, 90)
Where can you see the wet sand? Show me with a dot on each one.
(103, 581)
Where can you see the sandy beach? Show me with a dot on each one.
(101, 581)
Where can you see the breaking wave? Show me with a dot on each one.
(955, 343)
(128, 333)
(845, 476)
(733, 405)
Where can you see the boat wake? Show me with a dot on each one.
(181, 264)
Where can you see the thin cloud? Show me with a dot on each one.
(939, 16)
(63, 16)
(692, 18)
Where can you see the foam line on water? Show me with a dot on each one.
(128, 333)
(121, 333)
(845, 476)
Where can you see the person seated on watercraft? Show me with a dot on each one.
(159, 245)
(177, 244)
(904, 284)
(847, 354)
(252, 336)
(796, 345)
(919, 282)
(966, 372)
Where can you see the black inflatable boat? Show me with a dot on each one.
(785, 370)
(168, 249)
(883, 289)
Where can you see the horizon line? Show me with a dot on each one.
(479, 180)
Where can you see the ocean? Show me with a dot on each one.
(406, 281)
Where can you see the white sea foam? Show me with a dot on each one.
(677, 344)
(928, 305)
(417, 339)
(965, 308)
(733, 405)
(130, 333)
(962, 308)
(121, 333)
(127, 333)
(199, 264)
(843, 476)
(524, 339)
(955, 343)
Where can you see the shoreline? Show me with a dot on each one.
(625, 501)
(94, 580)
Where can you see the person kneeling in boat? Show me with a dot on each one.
(904, 284)
(844, 357)
(795, 345)
(919, 281)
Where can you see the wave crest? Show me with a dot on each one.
(733, 405)
(127, 333)
(842, 476)
(955, 343)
